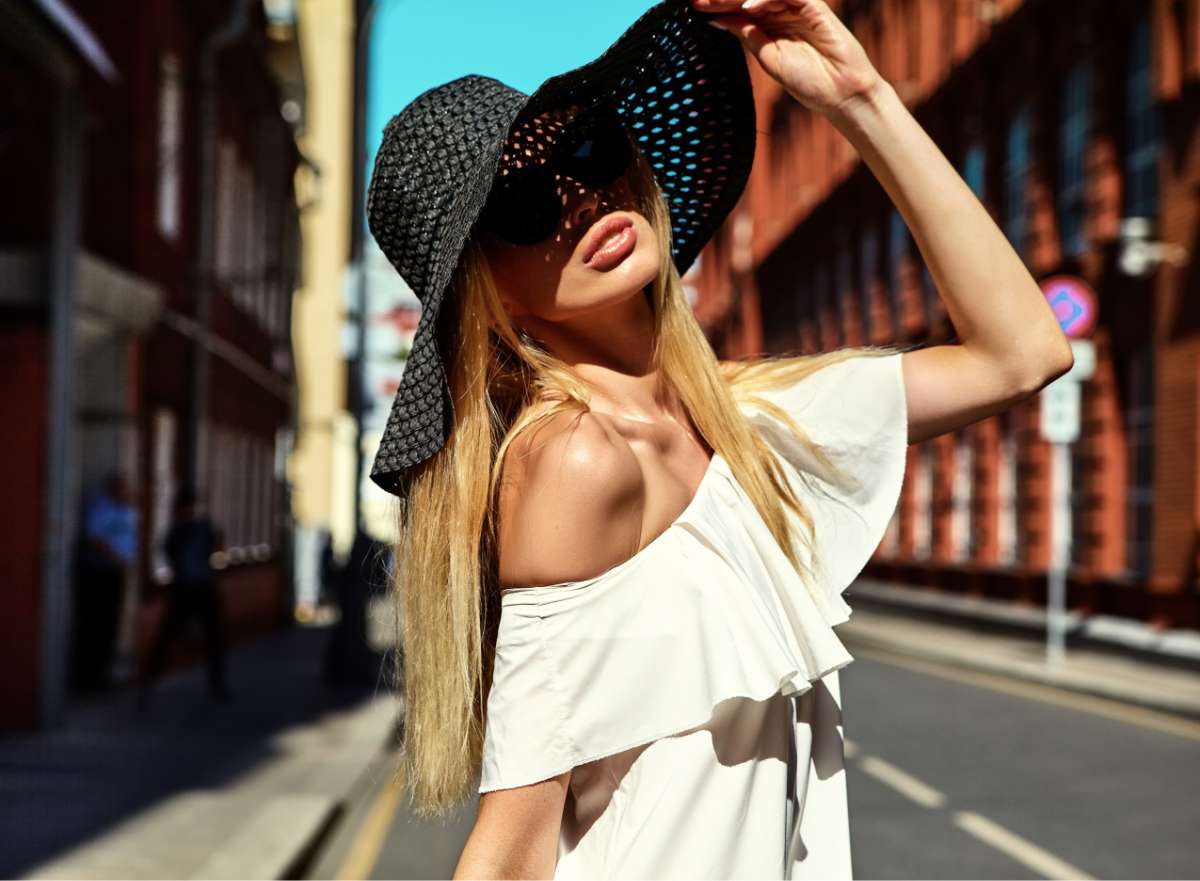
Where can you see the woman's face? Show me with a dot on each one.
(604, 250)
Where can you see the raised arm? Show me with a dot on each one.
(1011, 343)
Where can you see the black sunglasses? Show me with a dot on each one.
(524, 206)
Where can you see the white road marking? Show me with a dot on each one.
(1020, 849)
(903, 782)
(988, 831)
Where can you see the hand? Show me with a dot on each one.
(803, 45)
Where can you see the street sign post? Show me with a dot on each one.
(1074, 304)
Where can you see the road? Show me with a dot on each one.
(950, 775)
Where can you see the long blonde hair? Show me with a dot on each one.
(446, 584)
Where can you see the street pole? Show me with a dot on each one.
(364, 17)
(1059, 425)
(1075, 305)
(1060, 549)
(62, 287)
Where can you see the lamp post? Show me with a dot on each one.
(364, 17)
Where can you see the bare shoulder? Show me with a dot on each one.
(571, 499)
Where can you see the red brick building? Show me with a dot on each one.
(148, 255)
(1066, 120)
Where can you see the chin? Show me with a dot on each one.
(637, 273)
(640, 268)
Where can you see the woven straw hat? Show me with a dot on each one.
(682, 90)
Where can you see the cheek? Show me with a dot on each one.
(525, 275)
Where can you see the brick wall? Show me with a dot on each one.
(964, 68)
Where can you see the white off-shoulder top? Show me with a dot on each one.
(693, 687)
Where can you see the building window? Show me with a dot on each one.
(242, 483)
(781, 311)
(914, 45)
(244, 240)
(962, 486)
(163, 491)
(257, 234)
(226, 209)
(973, 168)
(803, 310)
(898, 247)
(868, 262)
(170, 143)
(1008, 525)
(1075, 126)
(930, 293)
(1015, 178)
(1139, 422)
(826, 307)
(923, 503)
(1143, 138)
(842, 285)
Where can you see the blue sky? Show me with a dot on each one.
(416, 45)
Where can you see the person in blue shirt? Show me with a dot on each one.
(107, 549)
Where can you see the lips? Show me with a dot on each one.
(608, 238)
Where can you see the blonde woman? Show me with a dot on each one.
(620, 560)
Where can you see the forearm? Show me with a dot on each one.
(995, 304)
(482, 859)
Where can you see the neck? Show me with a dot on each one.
(610, 349)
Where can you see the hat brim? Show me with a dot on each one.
(683, 89)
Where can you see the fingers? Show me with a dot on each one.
(720, 5)
(745, 29)
(745, 7)
(757, 6)
(742, 5)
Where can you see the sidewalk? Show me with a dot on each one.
(190, 788)
(1113, 659)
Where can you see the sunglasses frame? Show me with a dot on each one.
(524, 207)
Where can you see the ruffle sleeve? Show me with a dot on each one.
(709, 610)
(857, 411)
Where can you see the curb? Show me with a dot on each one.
(1067, 680)
(277, 840)
(307, 853)
(1176, 648)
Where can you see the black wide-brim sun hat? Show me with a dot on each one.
(682, 89)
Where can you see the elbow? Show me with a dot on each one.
(1060, 360)
(1043, 368)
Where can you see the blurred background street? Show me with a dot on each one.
(951, 774)
(200, 343)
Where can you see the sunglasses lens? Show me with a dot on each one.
(597, 151)
(593, 149)
(522, 207)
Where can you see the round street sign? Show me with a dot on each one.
(1073, 302)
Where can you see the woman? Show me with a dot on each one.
(620, 562)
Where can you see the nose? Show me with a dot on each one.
(582, 205)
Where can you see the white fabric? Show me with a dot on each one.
(693, 687)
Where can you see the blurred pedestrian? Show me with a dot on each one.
(194, 593)
(107, 549)
(350, 660)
